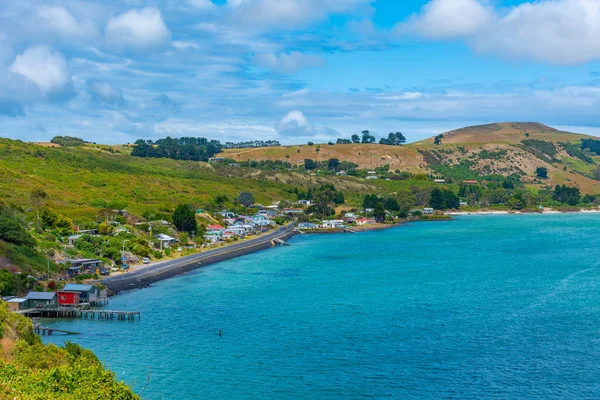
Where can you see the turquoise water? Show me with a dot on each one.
(480, 307)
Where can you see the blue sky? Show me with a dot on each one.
(293, 70)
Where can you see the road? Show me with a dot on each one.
(152, 269)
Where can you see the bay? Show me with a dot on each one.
(502, 306)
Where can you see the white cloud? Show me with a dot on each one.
(137, 29)
(554, 31)
(64, 23)
(287, 63)
(183, 45)
(47, 69)
(558, 31)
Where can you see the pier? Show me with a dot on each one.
(43, 330)
(101, 315)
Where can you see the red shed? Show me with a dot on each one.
(68, 298)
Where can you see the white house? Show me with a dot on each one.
(333, 224)
(306, 203)
(372, 177)
(428, 211)
(165, 240)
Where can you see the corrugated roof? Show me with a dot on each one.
(16, 300)
(40, 295)
(77, 287)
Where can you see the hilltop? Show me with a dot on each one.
(498, 148)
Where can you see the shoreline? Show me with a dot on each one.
(144, 277)
(517, 212)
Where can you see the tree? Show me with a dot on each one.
(379, 213)
(333, 164)
(310, 164)
(344, 141)
(451, 200)
(436, 200)
(596, 173)
(393, 139)
(13, 232)
(355, 139)
(541, 172)
(246, 199)
(566, 194)
(438, 139)
(370, 201)
(321, 201)
(391, 204)
(184, 219)
(339, 198)
(38, 196)
(367, 137)
(310, 143)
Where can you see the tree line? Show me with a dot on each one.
(184, 148)
(251, 144)
(393, 139)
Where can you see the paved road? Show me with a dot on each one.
(152, 269)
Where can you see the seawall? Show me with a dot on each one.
(135, 281)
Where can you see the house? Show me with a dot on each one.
(428, 211)
(333, 224)
(215, 230)
(464, 204)
(68, 298)
(305, 203)
(470, 182)
(307, 225)
(372, 177)
(342, 173)
(87, 264)
(228, 214)
(439, 180)
(371, 173)
(216, 160)
(73, 238)
(16, 303)
(74, 271)
(293, 211)
(165, 240)
(87, 293)
(235, 165)
(364, 221)
(212, 238)
(40, 300)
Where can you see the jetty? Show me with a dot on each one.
(279, 242)
(63, 312)
(43, 330)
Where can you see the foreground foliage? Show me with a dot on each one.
(31, 370)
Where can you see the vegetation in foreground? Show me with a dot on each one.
(31, 370)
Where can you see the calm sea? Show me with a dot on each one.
(504, 307)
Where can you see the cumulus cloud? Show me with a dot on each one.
(287, 63)
(554, 31)
(290, 14)
(45, 68)
(65, 24)
(143, 28)
(294, 127)
(447, 19)
(105, 94)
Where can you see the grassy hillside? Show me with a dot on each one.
(501, 148)
(31, 370)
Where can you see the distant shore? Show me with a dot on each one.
(504, 212)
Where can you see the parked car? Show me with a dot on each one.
(114, 269)
(146, 260)
(104, 272)
(125, 266)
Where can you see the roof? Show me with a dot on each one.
(77, 287)
(215, 227)
(16, 300)
(163, 237)
(40, 295)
